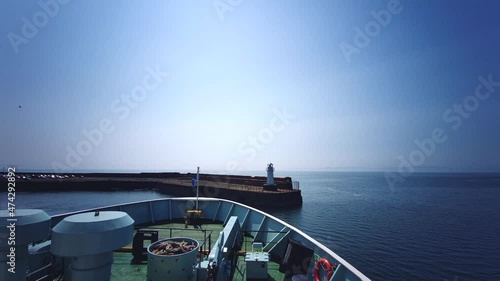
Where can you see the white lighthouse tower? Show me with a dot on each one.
(270, 185)
(270, 174)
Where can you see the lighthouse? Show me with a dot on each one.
(269, 185)
(270, 174)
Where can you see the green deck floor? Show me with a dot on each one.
(123, 270)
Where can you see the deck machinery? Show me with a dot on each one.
(221, 262)
(82, 245)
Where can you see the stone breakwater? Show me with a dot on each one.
(244, 189)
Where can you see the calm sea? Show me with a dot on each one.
(430, 227)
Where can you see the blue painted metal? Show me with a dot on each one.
(217, 211)
(277, 243)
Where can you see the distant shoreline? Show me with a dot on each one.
(251, 173)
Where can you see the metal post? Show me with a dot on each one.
(197, 186)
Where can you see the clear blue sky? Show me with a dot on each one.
(258, 82)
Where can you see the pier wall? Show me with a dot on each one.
(246, 190)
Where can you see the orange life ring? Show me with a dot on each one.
(326, 265)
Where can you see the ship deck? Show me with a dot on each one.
(124, 270)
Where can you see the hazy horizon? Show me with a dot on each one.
(402, 86)
(420, 169)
